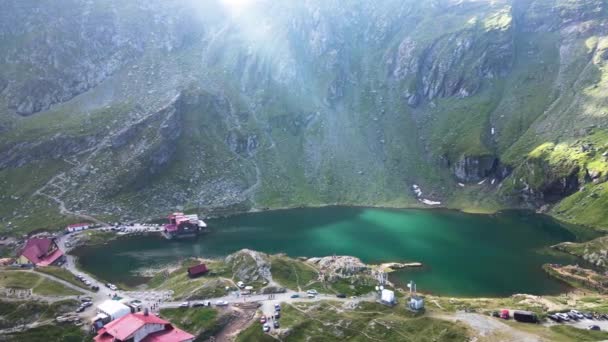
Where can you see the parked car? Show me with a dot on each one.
(341, 295)
(563, 316)
(221, 303)
(87, 304)
(295, 295)
(313, 292)
(277, 307)
(588, 315)
(95, 288)
(496, 314)
(525, 316)
(277, 314)
(198, 304)
(276, 324)
(80, 309)
(113, 287)
(263, 319)
(310, 295)
(594, 327)
(184, 305)
(555, 318)
(577, 314)
(86, 299)
(572, 316)
(266, 328)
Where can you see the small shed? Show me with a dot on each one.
(388, 297)
(416, 303)
(198, 270)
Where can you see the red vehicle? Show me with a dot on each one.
(504, 314)
(263, 319)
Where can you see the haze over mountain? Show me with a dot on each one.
(124, 110)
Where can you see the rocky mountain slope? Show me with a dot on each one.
(124, 110)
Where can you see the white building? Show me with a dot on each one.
(388, 297)
(113, 309)
(416, 303)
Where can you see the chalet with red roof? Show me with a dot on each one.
(198, 270)
(41, 252)
(182, 226)
(141, 327)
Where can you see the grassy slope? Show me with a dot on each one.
(567, 333)
(16, 189)
(293, 274)
(201, 322)
(50, 333)
(254, 333)
(13, 313)
(207, 286)
(323, 322)
(39, 285)
(63, 274)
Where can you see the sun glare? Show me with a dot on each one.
(237, 5)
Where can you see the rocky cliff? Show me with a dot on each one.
(124, 110)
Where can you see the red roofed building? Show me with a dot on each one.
(41, 252)
(181, 225)
(197, 270)
(141, 327)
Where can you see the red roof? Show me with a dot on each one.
(169, 335)
(37, 250)
(198, 269)
(126, 326)
(171, 227)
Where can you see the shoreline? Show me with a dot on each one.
(578, 230)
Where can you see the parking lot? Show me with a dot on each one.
(581, 320)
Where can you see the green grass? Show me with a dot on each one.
(63, 274)
(592, 251)
(575, 334)
(325, 322)
(33, 213)
(49, 287)
(254, 333)
(51, 333)
(28, 280)
(209, 285)
(13, 313)
(587, 207)
(292, 274)
(349, 288)
(201, 322)
(97, 237)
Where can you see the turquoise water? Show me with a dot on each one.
(463, 254)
